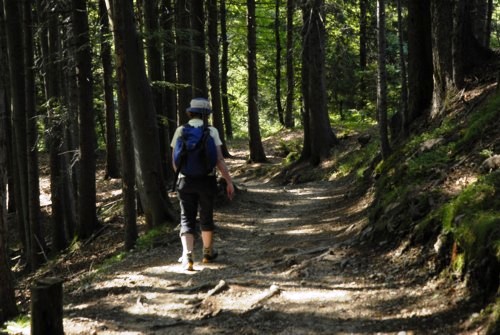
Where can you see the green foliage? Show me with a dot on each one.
(19, 325)
(109, 262)
(428, 163)
(469, 220)
(356, 161)
(479, 121)
(147, 240)
(474, 219)
(290, 150)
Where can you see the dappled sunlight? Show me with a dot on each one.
(305, 297)
(302, 231)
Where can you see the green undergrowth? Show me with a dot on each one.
(473, 220)
(19, 325)
(356, 162)
(411, 199)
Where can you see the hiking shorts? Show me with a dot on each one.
(197, 194)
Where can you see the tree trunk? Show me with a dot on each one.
(127, 145)
(153, 53)
(487, 28)
(480, 14)
(402, 115)
(199, 73)
(87, 219)
(37, 238)
(458, 51)
(49, 37)
(170, 73)
(279, 107)
(256, 149)
(420, 68)
(453, 57)
(47, 307)
(382, 81)
(224, 69)
(474, 53)
(322, 137)
(150, 182)
(304, 108)
(8, 308)
(71, 172)
(112, 166)
(184, 64)
(170, 68)
(441, 54)
(290, 73)
(363, 53)
(18, 103)
(213, 48)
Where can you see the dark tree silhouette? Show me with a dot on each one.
(255, 143)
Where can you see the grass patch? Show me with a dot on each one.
(473, 218)
(357, 161)
(481, 120)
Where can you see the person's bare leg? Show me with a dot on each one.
(209, 253)
(187, 241)
(207, 237)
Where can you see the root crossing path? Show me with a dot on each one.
(291, 261)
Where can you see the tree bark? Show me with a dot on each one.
(87, 218)
(382, 81)
(401, 116)
(290, 73)
(127, 145)
(49, 36)
(441, 54)
(71, 172)
(37, 238)
(481, 17)
(214, 76)
(255, 143)
(170, 74)
(150, 183)
(322, 137)
(279, 106)
(155, 75)
(112, 166)
(47, 307)
(420, 68)
(197, 17)
(19, 120)
(224, 69)
(363, 50)
(184, 63)
(8, 308)
(170, 65)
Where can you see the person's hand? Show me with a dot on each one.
(230, 190)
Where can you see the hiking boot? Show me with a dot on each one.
(187, 261)
(209, 255)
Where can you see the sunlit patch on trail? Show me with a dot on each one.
(315, 296)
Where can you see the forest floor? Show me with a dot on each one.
(291, 261)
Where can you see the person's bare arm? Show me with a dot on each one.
(221, 165)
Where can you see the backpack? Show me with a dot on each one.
(195, 152)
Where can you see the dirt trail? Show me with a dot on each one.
(290, 263)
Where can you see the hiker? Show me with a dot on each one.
(198, 192)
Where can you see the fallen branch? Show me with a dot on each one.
(221, 286)
(273, 290)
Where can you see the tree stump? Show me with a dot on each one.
(47, 307)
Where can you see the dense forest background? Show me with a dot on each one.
(85, 84)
